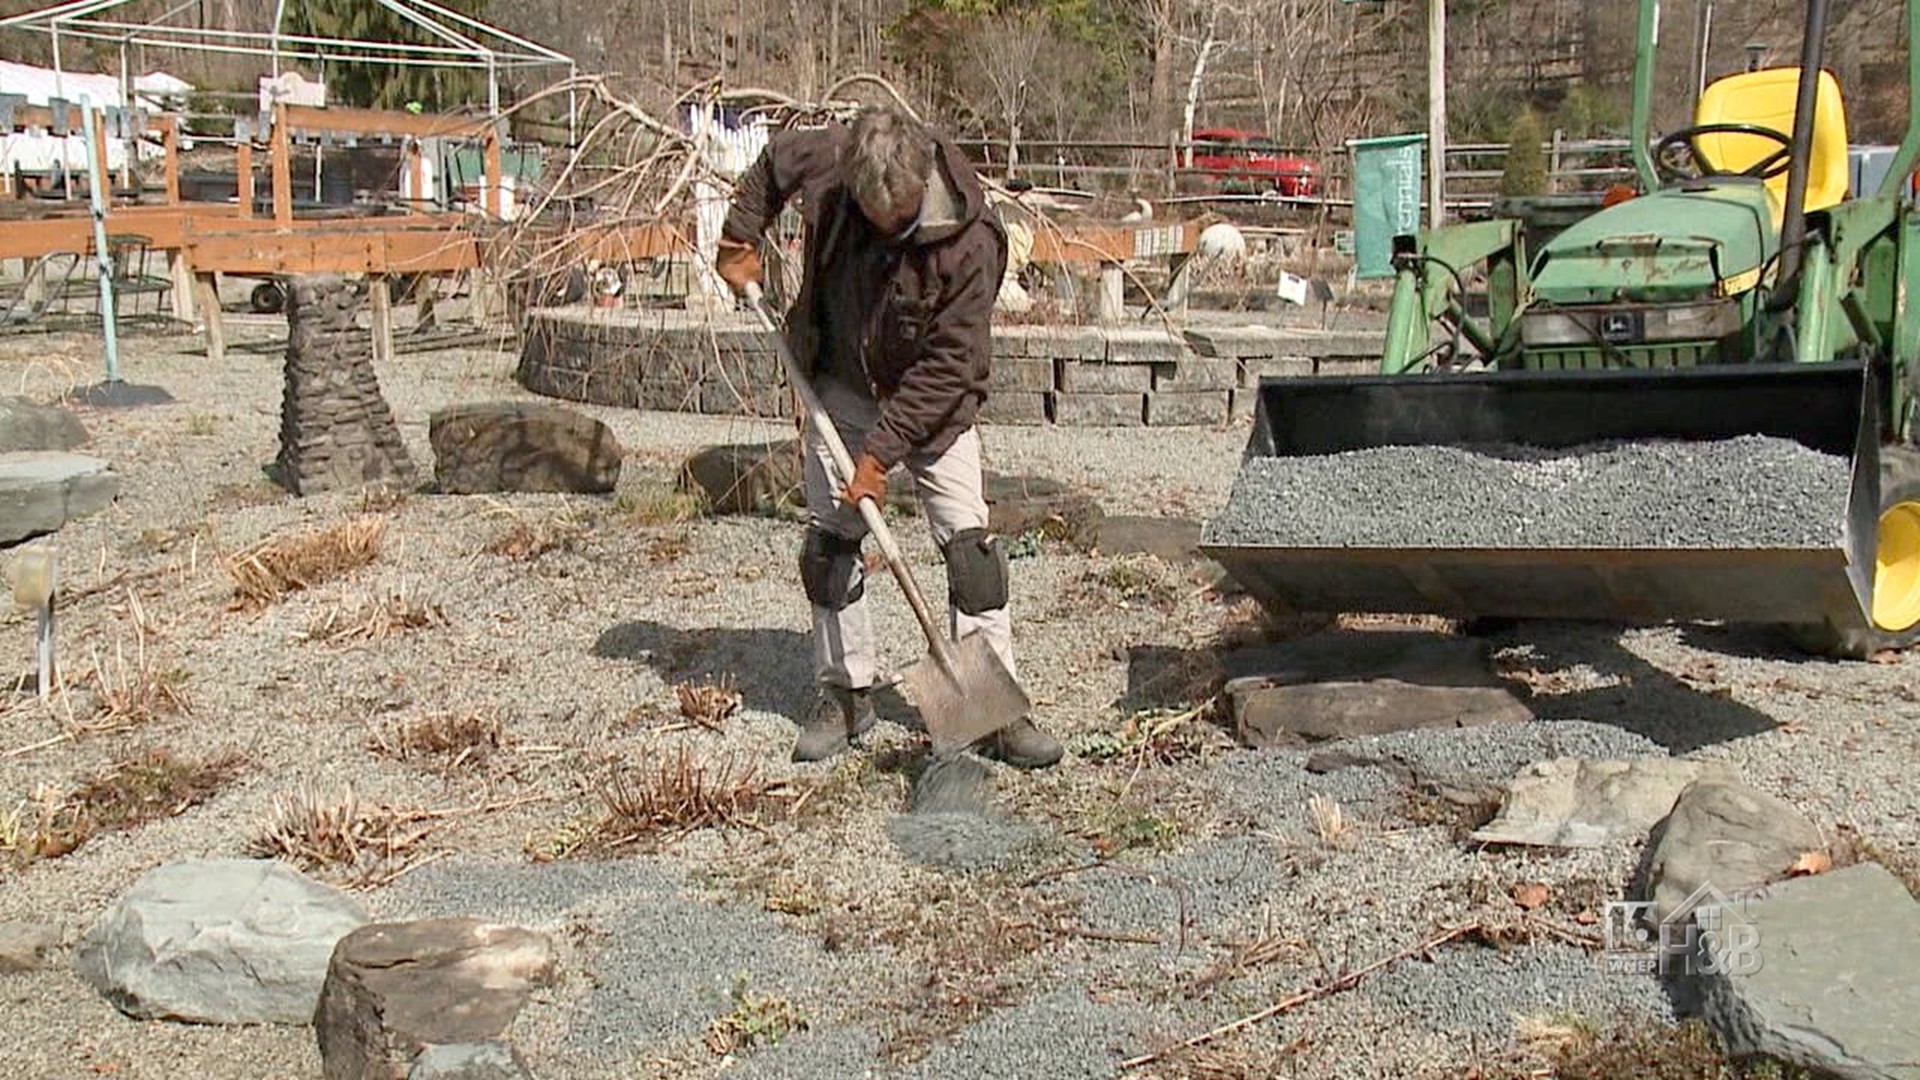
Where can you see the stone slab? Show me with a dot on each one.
(1188, 410)
(1824, 980)
(1144, 344)
(1349, 683)
(1095, 377)
(1021, 373)
(40, 492)
(1100, 410)
(1170, 540)
(1014, 407)
(1199, 373)
(1589, 803)
(1290, 715)
(1253, 369)
(1233, 341)
(1329, 365)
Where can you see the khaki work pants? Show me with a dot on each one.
(952, 498)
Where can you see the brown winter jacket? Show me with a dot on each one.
(915, 317)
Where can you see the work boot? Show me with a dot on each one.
(839, 716)
(1022, 745)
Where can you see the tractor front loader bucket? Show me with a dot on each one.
(1302, 532)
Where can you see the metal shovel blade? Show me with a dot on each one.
(978, 699)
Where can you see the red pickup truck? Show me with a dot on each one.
(1239, 158)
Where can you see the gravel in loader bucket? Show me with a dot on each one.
(1745, 493)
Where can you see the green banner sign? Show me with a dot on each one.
(1387, 174)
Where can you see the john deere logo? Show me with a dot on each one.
(1619, 326)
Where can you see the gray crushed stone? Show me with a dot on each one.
(1750, 491)
(844, 1053)
(961, 841)
(1219, 881)
(1063, 1035)
(1480, 994)
(664, 962)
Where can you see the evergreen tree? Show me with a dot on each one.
(385, 85)
(1526, 168)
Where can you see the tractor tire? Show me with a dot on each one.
(267, 298)
(1899, 524)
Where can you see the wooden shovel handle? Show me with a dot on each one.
(843, 462)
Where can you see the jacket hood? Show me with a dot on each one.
(954, 198)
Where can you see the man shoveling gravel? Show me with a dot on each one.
(903, 263)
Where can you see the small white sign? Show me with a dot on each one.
(1292, 288)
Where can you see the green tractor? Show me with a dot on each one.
(1741, 291)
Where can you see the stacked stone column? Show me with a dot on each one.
(336, 431)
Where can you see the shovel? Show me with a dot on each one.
(964, 691)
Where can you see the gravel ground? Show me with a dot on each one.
(1038, 964)
(1752, 491)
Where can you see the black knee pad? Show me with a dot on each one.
(827, 569)
(976, 572)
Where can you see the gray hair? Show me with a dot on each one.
(890, 159)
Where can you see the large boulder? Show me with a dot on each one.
(750, 478)
(1819, 975)
(41, 491)
(26, 425)
(522, 446)
(224, 941)
(1018, 505)
(395, 989)
(1351, 684)
(1725, 835)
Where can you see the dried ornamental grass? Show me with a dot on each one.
(268, 571)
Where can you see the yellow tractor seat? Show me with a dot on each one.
(1766, 99)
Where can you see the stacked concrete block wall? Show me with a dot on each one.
(677, 365)
(1073, 376)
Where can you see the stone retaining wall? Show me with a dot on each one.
(1139, 376)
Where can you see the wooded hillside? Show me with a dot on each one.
(1310, 72)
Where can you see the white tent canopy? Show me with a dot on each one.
(37, 151)
(457, 40)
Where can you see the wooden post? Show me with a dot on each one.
(417, 170)
(1179, 281)
(100, 174)
(210, 310)
(380, 291)
(243, 172)
(1111, 300)
(1436, 112)
(491, 196)
(180, 271)
(282, 168)
(170, 140)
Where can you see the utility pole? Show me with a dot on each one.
(1436, 112)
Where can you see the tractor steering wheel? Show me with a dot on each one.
(1666, 158)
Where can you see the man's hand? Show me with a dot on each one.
(738, 265)
(869, 482)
